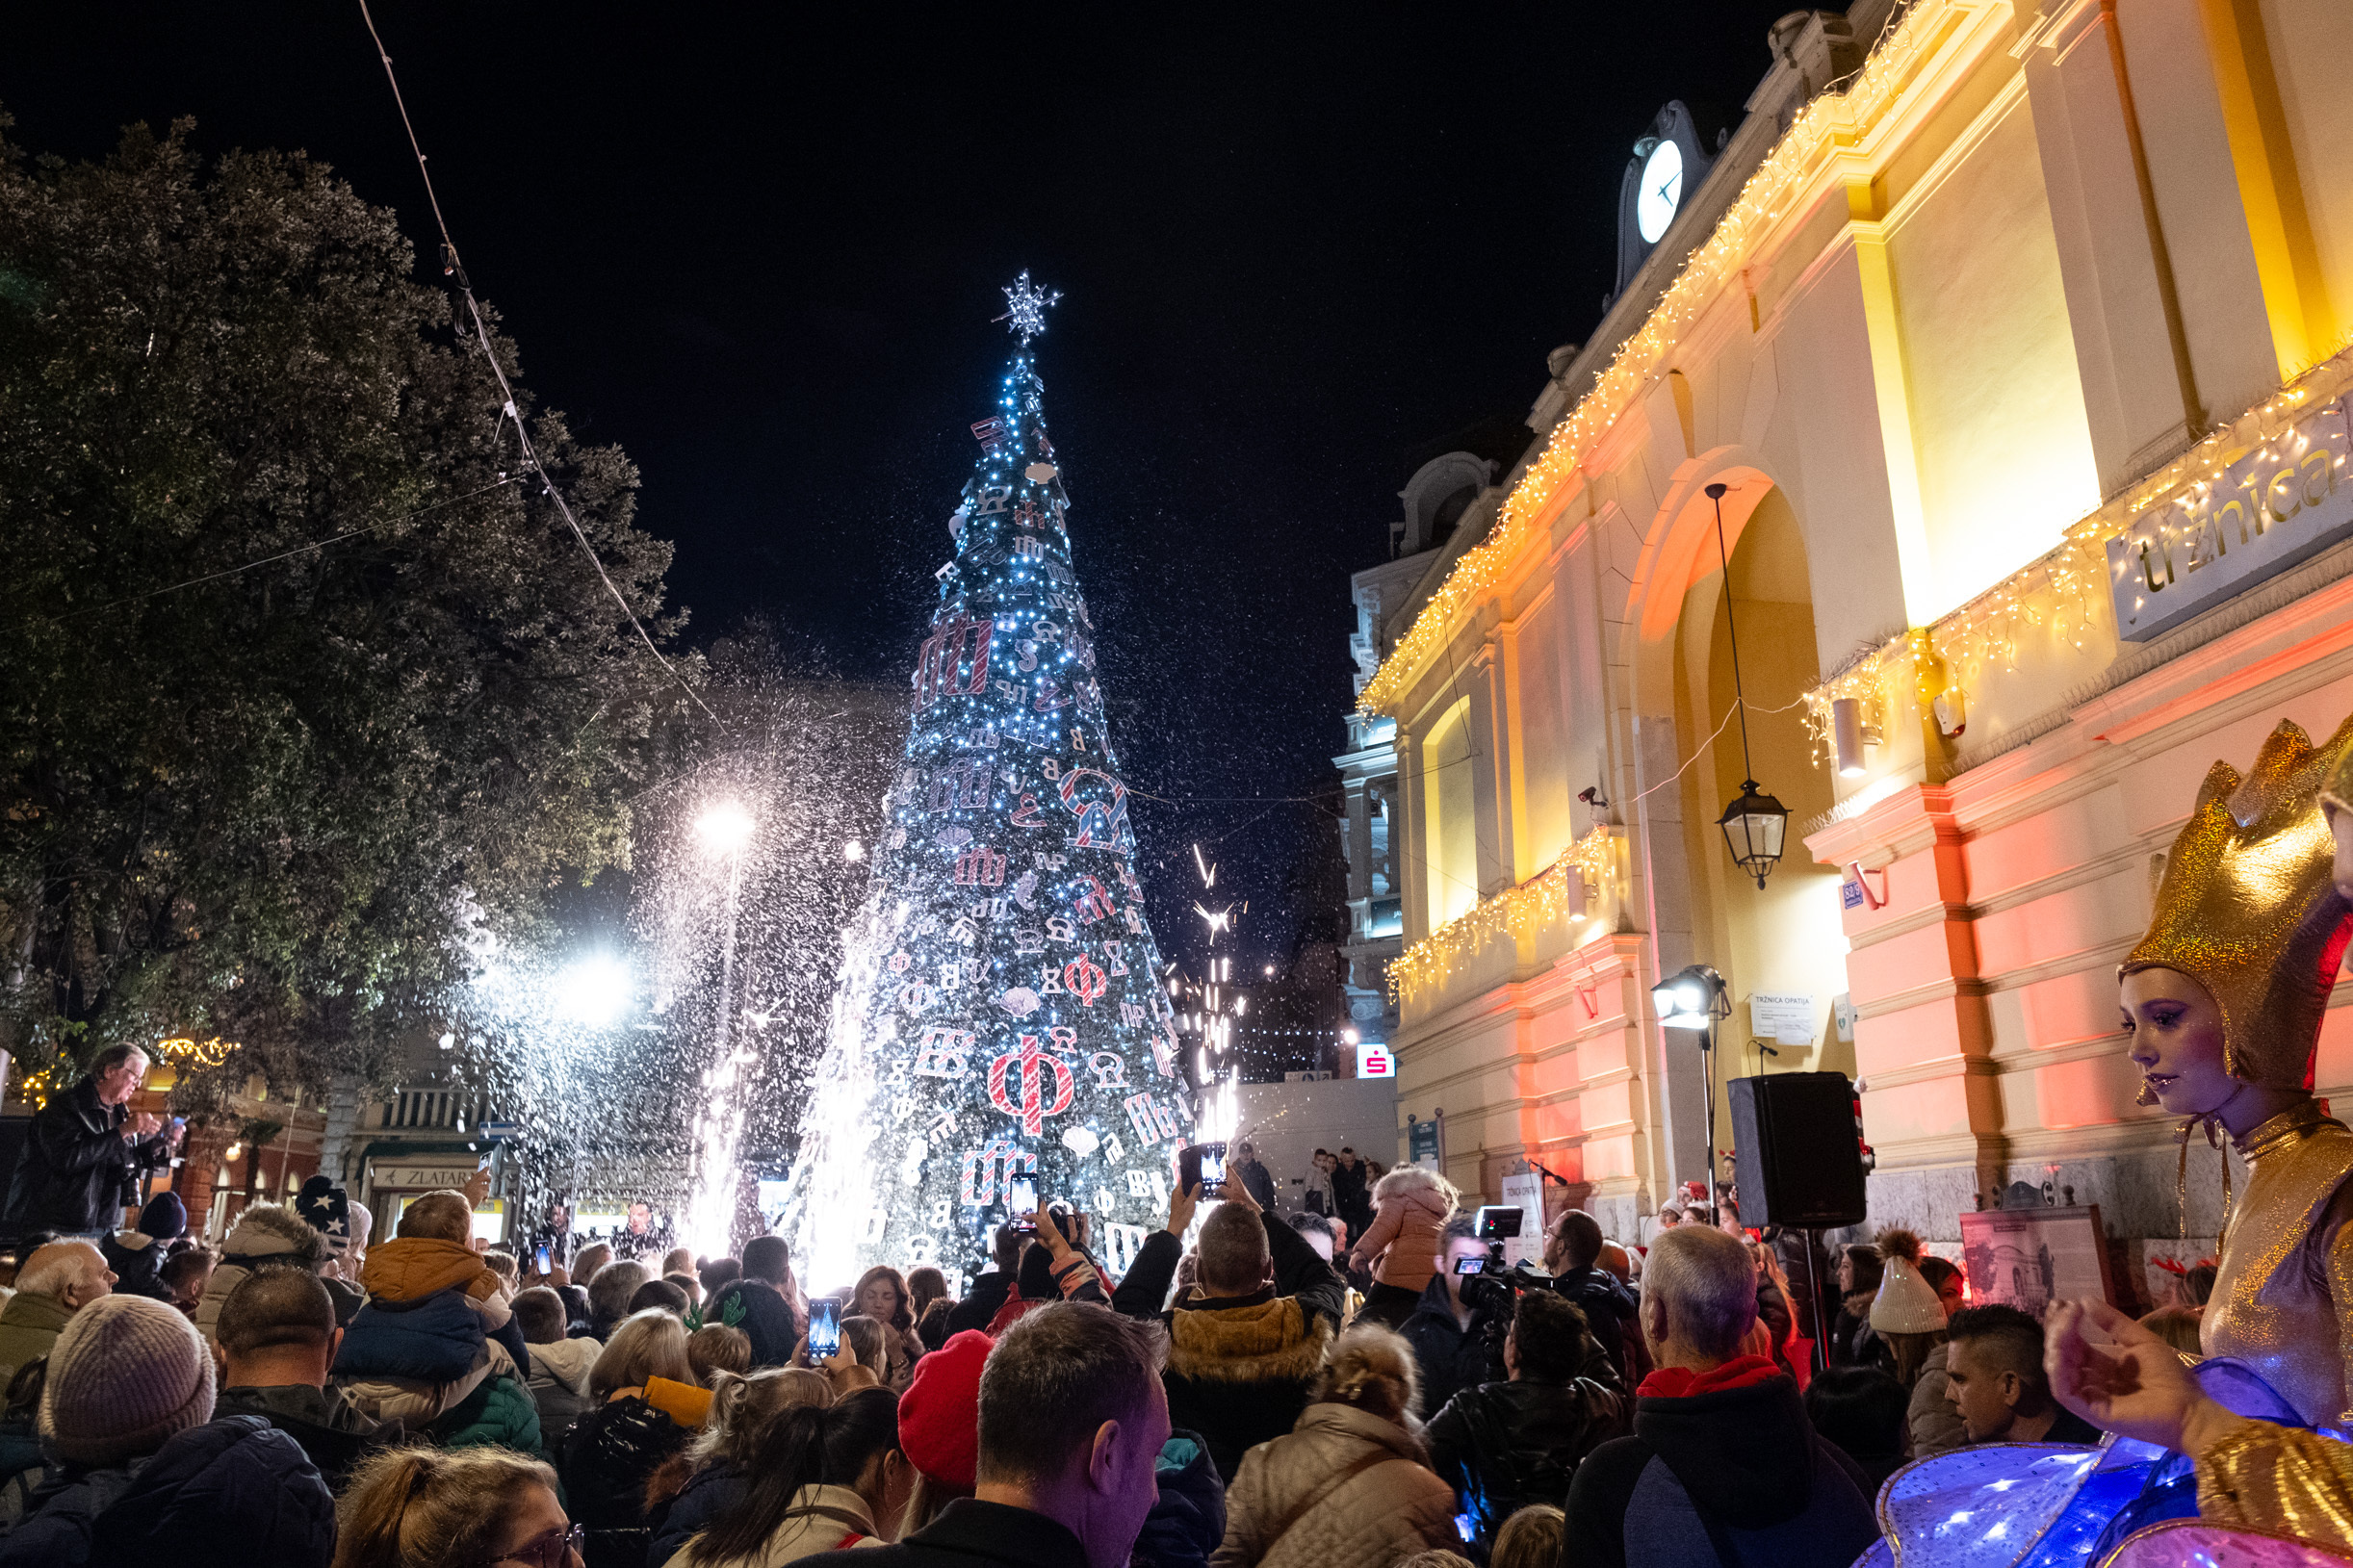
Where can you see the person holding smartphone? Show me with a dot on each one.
(1245, 1352)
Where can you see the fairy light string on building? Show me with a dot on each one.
(1827, 123)
(1519, 912)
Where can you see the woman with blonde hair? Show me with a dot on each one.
(638, 1420)
(711, 1474)
(1350, 1486)
(424, 1507)
(1413, 1205)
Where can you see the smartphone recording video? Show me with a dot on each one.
(824, 1329)
(1202, 1165)
(1021, 1198)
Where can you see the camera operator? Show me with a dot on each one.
(1457, 1332)
(1572, 1252)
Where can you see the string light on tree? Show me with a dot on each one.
(999, 1013)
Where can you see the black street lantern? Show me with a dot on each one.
(1755, 824)
(1754, 827)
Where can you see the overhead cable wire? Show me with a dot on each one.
(482, 331)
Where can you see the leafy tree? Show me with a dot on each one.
(303, 676)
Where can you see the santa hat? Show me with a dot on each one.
(1907, 1303)
(938, 1416)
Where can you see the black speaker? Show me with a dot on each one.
(1797, 1151)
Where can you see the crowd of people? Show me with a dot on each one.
(1301, 1392)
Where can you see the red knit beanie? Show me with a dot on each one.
(938, 1416)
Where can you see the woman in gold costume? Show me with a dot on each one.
(2222, 1004)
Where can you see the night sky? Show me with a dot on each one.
(1300, 249)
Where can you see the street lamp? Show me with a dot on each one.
(1695, 997)
(724, 827)
(1755, 824)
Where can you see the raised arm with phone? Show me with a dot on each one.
(1244, 1351)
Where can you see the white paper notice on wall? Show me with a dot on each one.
(1784, 1017)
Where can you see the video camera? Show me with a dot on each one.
(1488, 1281)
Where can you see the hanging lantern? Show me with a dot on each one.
(1755, 826)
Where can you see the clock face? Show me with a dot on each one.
(1661, 191)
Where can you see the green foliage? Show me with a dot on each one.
(273, 804)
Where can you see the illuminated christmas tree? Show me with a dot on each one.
(999, 1012)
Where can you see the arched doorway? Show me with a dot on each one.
(1786, 939)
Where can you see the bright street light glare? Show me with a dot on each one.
(593, 990)
(724, 827)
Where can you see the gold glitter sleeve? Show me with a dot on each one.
(2279, 1478)
(2337, 1261)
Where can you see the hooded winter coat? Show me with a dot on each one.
(228, 1494)
(1353, 1517)
(1188, 1518)
(1412, 1223)
(1239, 1366)
(558, 1385)
(1722, 1467)
(328, 1426)
(264, 1233)
(436, 1327)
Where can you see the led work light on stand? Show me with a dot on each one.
(1696, 998)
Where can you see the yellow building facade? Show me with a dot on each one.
(2018, 351)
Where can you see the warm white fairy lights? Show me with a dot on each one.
(1520, 910)
(1828, 121)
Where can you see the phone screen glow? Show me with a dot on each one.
(824, 1329)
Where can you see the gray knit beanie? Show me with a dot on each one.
(125, 1374)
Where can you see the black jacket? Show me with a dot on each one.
(1453, 1357)
(1612, 1315)
(1188, 1518)
(606, 1459)
(1736, 1475)
(969, 1533)
(230, 1492)
(137, 1270)
(77, 1174)
(1239, 1366)
(1503, 1445)
(759, 1310)
(329, 1428)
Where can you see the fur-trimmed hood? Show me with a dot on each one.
(1272, 1341)
(279, 1234)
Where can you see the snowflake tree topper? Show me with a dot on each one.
(1026, 308)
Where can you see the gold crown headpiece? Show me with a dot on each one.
(2248, 908)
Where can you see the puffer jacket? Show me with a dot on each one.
(231, 1493)
(264, 1233)
(1412, 1223)
(709, 1493)
(1504, 1445)
(605, 1462)
(1391, 1509)
(414, 1361)
(1188, 1519)
(499, 1414)
(1934, 1420)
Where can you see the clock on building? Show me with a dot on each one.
(1669, 161)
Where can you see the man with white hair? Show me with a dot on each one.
(85, 1151)
(1723, 1466)
(56, 1282)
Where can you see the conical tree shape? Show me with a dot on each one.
(999, 1012)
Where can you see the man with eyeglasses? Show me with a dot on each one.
(85, 1152)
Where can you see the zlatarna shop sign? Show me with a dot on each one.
(2274, 507)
